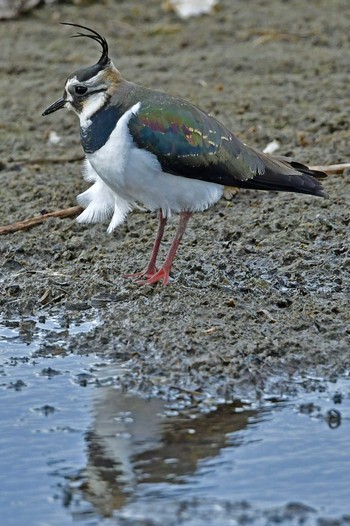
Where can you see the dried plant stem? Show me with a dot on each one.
(332, 168)
(37, 220)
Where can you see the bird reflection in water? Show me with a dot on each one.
(133, 441)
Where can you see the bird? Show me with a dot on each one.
(151, 149)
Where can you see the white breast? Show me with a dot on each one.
(125, 175)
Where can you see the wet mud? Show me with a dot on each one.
(260, 287)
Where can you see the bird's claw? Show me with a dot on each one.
(161, 275)
(147, 273)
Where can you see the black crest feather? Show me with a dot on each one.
(104, 59)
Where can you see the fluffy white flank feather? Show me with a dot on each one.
(100, 202)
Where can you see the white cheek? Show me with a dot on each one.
(91, 106)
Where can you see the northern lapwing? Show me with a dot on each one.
(147, 147)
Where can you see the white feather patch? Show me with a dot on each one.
(100, 202)
(121, 210)
(145, 182)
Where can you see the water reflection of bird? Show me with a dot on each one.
(146, 147)
(131, 441)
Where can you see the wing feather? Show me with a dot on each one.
(190, 143)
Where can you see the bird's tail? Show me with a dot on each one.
(285, 175)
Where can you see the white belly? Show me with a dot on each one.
(125, 175)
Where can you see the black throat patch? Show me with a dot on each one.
(103, 122)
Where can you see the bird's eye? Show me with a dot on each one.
(80, 90)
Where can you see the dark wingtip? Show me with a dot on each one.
(317, 174)
(314, 177)
(322, 193)
(310, 183)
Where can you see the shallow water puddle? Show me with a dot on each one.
(77, 450)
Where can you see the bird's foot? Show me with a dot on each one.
(147, 273)
(163, 274)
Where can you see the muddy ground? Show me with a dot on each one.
(260, 286)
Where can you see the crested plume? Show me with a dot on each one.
(104, 59)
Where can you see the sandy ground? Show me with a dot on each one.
(260, 287)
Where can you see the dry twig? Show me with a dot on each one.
(48, 160)
(37, 220)
(332, 168)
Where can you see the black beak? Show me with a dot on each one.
(60, 103)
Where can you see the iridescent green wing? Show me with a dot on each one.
(190, 143)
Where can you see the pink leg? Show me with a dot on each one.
(151, 268)
(164, 272)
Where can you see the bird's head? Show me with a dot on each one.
(88, 89)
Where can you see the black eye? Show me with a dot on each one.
(80, 90)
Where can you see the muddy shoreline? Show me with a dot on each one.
(260, 287)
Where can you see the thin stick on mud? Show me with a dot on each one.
(332, 168)
(49, 160)
(37, 220)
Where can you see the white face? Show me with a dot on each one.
(86, 97)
